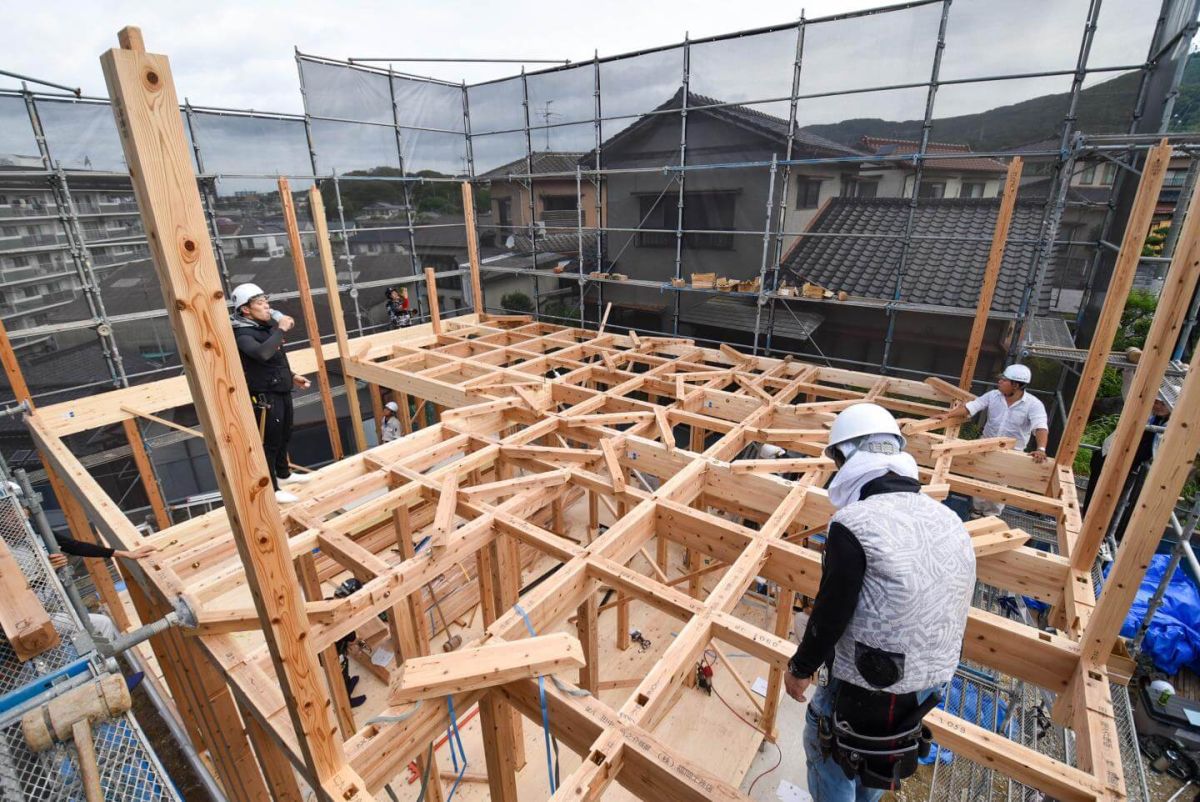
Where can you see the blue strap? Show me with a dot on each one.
(453, 735)
(545, 709)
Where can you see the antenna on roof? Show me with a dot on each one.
(546, 115)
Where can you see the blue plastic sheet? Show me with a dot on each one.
(982, 710)
(1173, 639)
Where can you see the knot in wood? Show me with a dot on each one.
(153, 82)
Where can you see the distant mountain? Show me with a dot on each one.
(1102, 109)
(1186, 115)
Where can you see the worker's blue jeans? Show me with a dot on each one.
(826, 780)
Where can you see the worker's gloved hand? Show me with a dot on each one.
(58, 561)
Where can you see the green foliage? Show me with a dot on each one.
(560, 312)
(1093, 435)
(1110, 383)
(517, 303)
(1135, 320)
(1156, 239)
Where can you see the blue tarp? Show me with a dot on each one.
(982, 710)
(1173, 639)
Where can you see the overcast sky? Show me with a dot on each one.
(240, 54)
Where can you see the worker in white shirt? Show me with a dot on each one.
(390, 427)
(1011, 412)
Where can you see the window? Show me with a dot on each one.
(705, 216)
(1088, 175)
(808, 193)
(20, 261)
(932, 189)
(1108, 175)
(858, 188)
(1175, 178)
(559, 203)
(971, 189)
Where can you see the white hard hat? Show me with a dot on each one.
(244, 294)
(861, 420)
(770, 451)
(1017, 373)
(393, 406)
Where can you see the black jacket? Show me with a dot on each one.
(260, 346)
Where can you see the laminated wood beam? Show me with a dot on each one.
(146, 110)
(24, 620)
(1154, 169)
(487, 666)
(991, 271)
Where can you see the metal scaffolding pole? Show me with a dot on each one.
(414, 258)
(531, 227)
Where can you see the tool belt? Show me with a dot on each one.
(881, 757)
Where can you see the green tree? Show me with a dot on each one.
(517, 302)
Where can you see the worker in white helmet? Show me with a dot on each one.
(258, 330)
(1011, 412)
(390, 426)
(888, 620)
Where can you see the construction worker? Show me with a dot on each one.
(1011, 412)
(397, 307)
(259, 331)
(887, 624)
(390, 427)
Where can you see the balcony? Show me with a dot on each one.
(12, 211)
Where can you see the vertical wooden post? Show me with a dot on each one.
(593, 502)
(77, 521)
(310, 583)
(405, 413)
(310, 314)
(141, 459)
(589, 637)
(1153, 171)
(317, 204)
(622, 597)
(275, 766)
(991, 272)
(501, 739)
(435, 316)
(468, 198)
(146, 109)
(377, 410)
(1160, 342)
(784, 601)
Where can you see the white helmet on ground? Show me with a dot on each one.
(861, 420)
(1017, 373)
(393, 406)
(244, 294)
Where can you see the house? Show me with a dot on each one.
(958, 175)
(554, 199)
(939, 289)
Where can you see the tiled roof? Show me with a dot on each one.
(884, 146)
(543, 162)
(942, 272)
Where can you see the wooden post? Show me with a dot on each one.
(377, 410)
(310, 314)
(1153, 171)
(141, 459)
(589, 635)
(1160, 342)
(1166, 478)
(23, 619)
(784, 601)
(991, 272)
(274, 764)
(317, 205)
(146, 109)
(306, 572)
(468, 198)
(77, 521)
(405, 413)
(435, 317)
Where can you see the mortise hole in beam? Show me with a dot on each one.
(642, 700)
(1095, 676)
(598, 758)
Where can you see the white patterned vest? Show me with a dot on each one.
(917, 588)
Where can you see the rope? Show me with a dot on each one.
(396, 719)
(455, 737)
(545, 709)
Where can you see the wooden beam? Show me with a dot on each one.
(1168, 472)
(1153, 171)
(991, 271)
(24, 620)
(485, 667)
(1164, 332)
(948, 390)
(312, 331)
(613, 463)
(468, 199)
(306, 573)
(141, 459)
(147, 114)
(329, 272)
